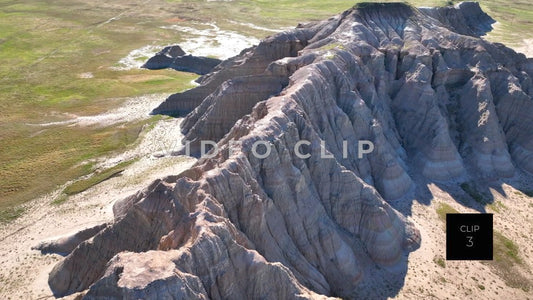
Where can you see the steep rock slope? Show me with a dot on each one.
(420, 84)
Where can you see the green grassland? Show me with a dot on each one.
(46, 45)
(97, 177)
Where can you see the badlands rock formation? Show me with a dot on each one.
(174, 57)
(65, 245)
(433, 97)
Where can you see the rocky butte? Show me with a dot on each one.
(435, 99)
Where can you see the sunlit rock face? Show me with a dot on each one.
(433, 98)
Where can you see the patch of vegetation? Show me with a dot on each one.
(444, 209)
(332, 46)
(62, 198)
(481, 287)
(98, 177)
(10, 214)
(506, 260)
(471, 190)
(440, 261)
(528, 193)
(505, 250)
(497, 206)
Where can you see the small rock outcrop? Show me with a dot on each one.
(432, 97)
(174, 57)
(65, 245)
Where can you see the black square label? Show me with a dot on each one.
(469, 237)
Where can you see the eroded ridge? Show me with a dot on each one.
(433, 97)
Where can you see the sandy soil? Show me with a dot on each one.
(467, 279)
(24, 272)
(526, 47)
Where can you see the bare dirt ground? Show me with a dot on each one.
(426, 279)
(526, 48)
